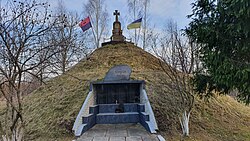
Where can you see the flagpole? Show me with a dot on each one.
(139, 34)
(93, 32)
(135, 38)
(136, 41)
(134, 25)
(94, 37)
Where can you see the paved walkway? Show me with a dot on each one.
(117, 132)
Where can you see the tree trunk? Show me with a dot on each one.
(184, 120)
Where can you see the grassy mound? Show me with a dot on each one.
(51, 110)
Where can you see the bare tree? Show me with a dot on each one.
(178, 61)
(22, 23)
(65, 37)
(99, 16)
(39, 73)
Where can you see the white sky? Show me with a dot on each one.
(159, 11)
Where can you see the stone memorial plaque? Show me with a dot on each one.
(118, 73)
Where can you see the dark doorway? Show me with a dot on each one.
(118, 92)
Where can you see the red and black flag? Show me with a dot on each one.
(85, 24)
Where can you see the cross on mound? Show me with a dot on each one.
(116, 14)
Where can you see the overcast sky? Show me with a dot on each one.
(159, 12)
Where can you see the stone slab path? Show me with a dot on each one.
(117, 132)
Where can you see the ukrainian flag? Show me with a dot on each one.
(135, 24)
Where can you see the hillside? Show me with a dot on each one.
(51, 110)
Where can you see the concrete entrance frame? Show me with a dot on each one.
(118, 81)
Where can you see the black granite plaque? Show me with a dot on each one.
(118, 73)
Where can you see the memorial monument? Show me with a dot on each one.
(117, 30)
(116, 36)
(114, 100)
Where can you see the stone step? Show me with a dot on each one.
(115, 118)
(144, 116)
(110, 108)
(80, 130)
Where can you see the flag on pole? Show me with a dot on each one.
(85, 24)
(135, 24)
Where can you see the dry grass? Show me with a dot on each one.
(2, 103)
(222, 118)
(51, 110)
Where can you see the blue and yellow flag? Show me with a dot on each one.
(135, 24)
